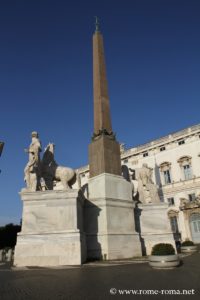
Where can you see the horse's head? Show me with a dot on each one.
(50, 147)
(48, 155)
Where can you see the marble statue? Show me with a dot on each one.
(122, 148)
(51, 171)
(148, 192)
(134, 184)
(198, 198)
(125, 172)
(185, 203)
(45, 174)
(32, 169)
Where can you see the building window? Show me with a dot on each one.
(165, 170)
(145, 154)
(195, 223)
(185, 163)
(187, 172)
(181, 142)
(174, 224)
(167, 177)
(192, 197)
(162, 148)
(170, 201)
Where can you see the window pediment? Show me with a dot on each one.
(165, 166)
(183, 160)
(173, 213)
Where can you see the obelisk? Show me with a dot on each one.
(104, 151)
(109, 211)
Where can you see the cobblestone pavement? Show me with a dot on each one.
(100, 281)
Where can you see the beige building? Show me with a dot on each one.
(175, 163)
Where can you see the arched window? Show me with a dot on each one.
(165, 170)
(185, 163)
(195, 227)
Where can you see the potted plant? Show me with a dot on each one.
(188, 247)
(163, 256)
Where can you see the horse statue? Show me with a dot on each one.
(51, 171)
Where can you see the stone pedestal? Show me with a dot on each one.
(52, 229)
(154, 225)
(109, 219)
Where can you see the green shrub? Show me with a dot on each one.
(163, 249)
(187, 243)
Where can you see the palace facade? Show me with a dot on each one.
(175, 163)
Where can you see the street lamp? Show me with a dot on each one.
(1, 147)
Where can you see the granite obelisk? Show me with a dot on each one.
(104, 151)
(109, 218)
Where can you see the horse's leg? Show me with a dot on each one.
(64, 183)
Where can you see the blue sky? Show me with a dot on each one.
(153, 67)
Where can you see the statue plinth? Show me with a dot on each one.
(154, 226)
(52, 229)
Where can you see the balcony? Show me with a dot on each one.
(179, 186)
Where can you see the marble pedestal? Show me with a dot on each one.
(109, 219)
(154, 225)
(52, 229)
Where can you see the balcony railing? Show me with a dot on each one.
(181, 183)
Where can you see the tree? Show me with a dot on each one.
(8, 235)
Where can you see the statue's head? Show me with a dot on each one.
(145, 165)
(34, 134)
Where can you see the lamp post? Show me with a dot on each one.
(1, 149)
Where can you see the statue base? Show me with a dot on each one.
(109, 219)
(52, 229)
(153, 224)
